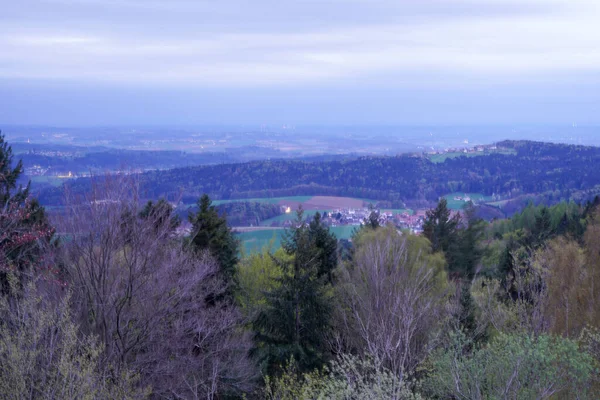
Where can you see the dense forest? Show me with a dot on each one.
(62, 159)
(248, 213)
(106, 300)
(549, 172)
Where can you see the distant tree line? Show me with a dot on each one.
(556, 171)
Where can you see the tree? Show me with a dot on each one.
(542, 229)
(440, 228)
(44, 356)
(296, 318)
(372, 221)
(257, 274)
(25, 234)
(326, 244)
(142, 292)
(392, 299)
(592, 270)
(468, 251)
(9, 176)
(345, 378)
(515, 366)
(161, 212)
(567, 281)
(211, 232)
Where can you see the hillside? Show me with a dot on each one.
(555, 171)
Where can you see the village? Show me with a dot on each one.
(357, 216)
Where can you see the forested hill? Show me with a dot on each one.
(556, 171)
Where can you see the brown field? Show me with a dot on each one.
(325, 203)
(253, 228)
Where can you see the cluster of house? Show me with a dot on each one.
(466, 150)
(466, 198)
(358, 216)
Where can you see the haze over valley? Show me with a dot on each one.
(300, 200)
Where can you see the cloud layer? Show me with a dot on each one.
(275, 44)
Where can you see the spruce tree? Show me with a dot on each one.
(542, 229)
(160, 212)
(468, 251)
(211, 232)
(326, 242)
(9, 176)
(440, 228)
(25, 233)
(295, 319)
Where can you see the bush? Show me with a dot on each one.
(347, 378)
(515, 366)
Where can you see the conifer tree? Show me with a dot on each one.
(160, 212)
(295, 320)
(9, 176)
(440, 228)
(542, 230)
(468, 250)
(24, 229)
(211, 232)
(326, 242)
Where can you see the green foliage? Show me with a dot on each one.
(160, 212)
(246, 213)
(466, 254)
(512, 366)
(211, 232)
(556, 171)
(296, 317)
(258, 273)
(440, 228)
(346, 378)
(25, 234)
(325, 244)
(9, 175)
(392, 299)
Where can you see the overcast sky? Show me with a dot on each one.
(111, 62)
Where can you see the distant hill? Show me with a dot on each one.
(554, 171)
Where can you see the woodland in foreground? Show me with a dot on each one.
(105, 301)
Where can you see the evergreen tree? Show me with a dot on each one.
(295, 319)
(468, 252)
(211, 232)
(326, 242)
(372, 221)
(563, 225)
(160, 212)
(542, 229)
(440, 228)
(9, 176)
(467, 312)
(25, 233)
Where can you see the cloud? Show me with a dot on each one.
(233, 44)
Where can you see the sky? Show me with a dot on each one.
(405, 62)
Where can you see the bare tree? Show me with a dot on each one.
(393, 299)
(144, 293)
(44, 356)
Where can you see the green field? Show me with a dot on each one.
(458, 205)
(276, 200)
(440, 158)
(47, 180)
(257, 240)
(290, 217)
